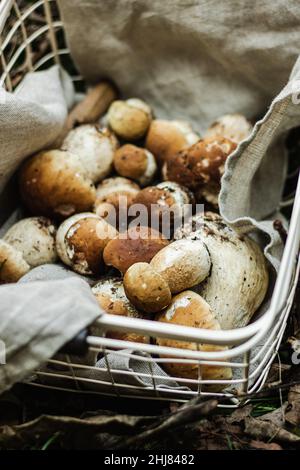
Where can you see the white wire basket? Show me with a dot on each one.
(252, 349)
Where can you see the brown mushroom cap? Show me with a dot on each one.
(201, 166)
(110, 190)
(129, 119)
(166, 138)
(231, 126)
(138, 244)
(12, 264)
(81, 240)
(135, 163)
(54, 183)
(146, 289)
(111, 298)
(190, 309)
(165, 203)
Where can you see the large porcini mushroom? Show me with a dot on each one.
(12, 264)
(166, 138)
(201, 166)
(136, 163)
(112, 299)
(129, 119)
(238, 279)
(190, 309)
(234, 127)
(95, 147)
(54, 183)
(34, 237)
(80, 242)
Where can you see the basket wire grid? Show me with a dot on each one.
(23, 29)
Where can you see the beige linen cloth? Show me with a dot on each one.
(190, 59)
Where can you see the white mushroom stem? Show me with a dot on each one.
(238, 279)
(34, 237)
(12, 264)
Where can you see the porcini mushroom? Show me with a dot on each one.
(95, 147)
(166, 138)
(231, 126)
(110, 190)
(182, 264)
(146, 289)
(136, 163)
(80, 242)
(111, 298)
(165, 203)
(238, 279)
(201, 166)
(138, 244)
(34, 237)
(12, 264)
(54, 183)
(129, 119)
(190, 309)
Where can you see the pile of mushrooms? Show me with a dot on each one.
(209, 278)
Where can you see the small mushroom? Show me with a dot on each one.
(12, 264)
(129, 119)
(238, 279)
(80, 242)
(190, 309)
(234, 127)
(138, 244)
(113, 198)
(165, 203)
(95, 148)
(146, 289)
(34, 237)
(136, 163)
(54, 183)
(166, 138)
(111, 298)
(182, 264)
(201, 166)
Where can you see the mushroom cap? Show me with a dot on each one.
(112, 299)
(95, 148)
(80, 242)
(182, 264)
(54, 183)
(12, 264)
(113, 198)
(166, 138)
(201, 166)
(34, 237)
(109, 190)
(129, 119)
(165, 204)
(231, 126)
(146, 289)
(238, 279)
(165, 195)
(136, 163)
(138, 244)
(190, 309)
